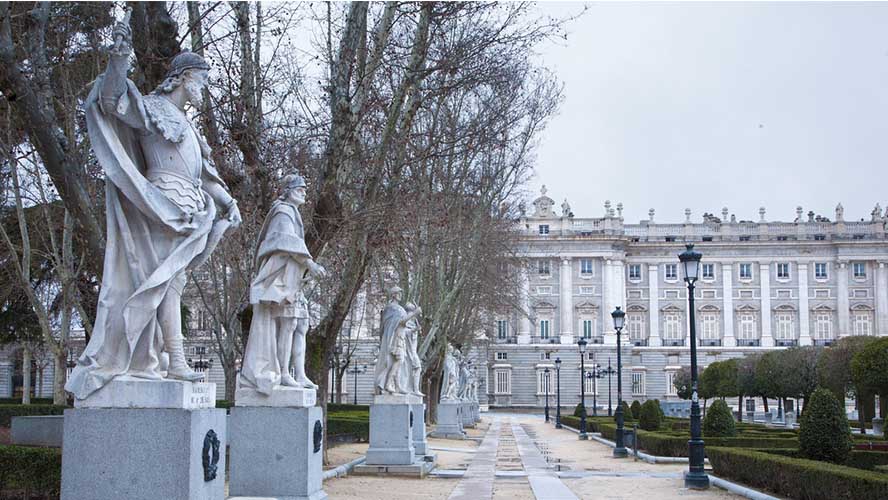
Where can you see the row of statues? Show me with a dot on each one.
(459, 382)
(167, 209)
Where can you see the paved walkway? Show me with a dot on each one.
(545, 484)
(477, 483)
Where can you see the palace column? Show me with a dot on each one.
(613, 295)
(524, 316)
(804, 328)
(654, 306)
(728, 301)
(566, 332)
(765, 292)
(881, 320)
(843, 303)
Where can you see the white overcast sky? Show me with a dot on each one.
(705, 105)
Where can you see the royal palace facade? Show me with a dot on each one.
(764, 285)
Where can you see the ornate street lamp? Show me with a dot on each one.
(557, 393)
(595, 374)
(355, 371)
(610, 374)
(696, 478)
(582, 345)
(619, 450)
(546, 385)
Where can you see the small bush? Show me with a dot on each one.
(579, 410)
(823, 429)
(796, 477)
(35, 471)
(649, 415)
(627, 412)
(719, 422)
(635, 410)
(660, 409)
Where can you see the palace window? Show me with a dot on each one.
(586, 267)
(708, 271)
(672, 326)
(671, 271)
(635, 324)
(823, 325)
(820, 271)
(587, 290)
(710, 326)
(635, 271)
(588, 328)
(544, 328)
(544, 382)
(543, 267)
(863, 321)
(784, 323)
(502, 356)
(588, 385)
(544, 229)
(670, 384)
(502, 328)
(746, 271)
(859, 270)
(503, 381)
(747, 326)
(638, 383)
(783, 270)
(544, 290)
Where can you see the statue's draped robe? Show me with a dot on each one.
(391, 345)
(151, 240)
(411, 337)
(275, 292)
(450, 379)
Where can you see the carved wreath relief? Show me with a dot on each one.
(210, 455)
(318, 435)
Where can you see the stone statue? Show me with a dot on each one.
(450, 378)
(414, 365)
(167, 209)
(390, 376)
(467, 380)
(280, 311)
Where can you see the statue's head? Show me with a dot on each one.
(294, 189)
(190, 71)
(394, 293)
(410, 307)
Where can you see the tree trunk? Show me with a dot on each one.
(230, 369)
(26, 376)
(740, 408)
(861, 419)
(60, 375)
(765, 403)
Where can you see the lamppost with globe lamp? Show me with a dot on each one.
(558, 393)
(594, 374)
(610, 374)
(355, 371)
(546, 386)
(582, 345)
(696, 478)
(619, 450)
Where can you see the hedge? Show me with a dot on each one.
(858, 459)
(359, 427)
(34, 471)
(19, 410)
(18, 401)
(796, 477)
(666, 445)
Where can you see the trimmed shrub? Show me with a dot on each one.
(719, 422)
(635, 410)
(676, 444)
(9, 411)
(579, 410)
(34, 471)
(358, 427)
(823, 429)
(796, 477)
(649, 415)
(660, 409)
(337, 407)
(627, 412)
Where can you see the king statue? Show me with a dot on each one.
(167, 209)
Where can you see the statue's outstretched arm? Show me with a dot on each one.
(114, 81)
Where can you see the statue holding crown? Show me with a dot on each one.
(280, 311)
(167, 209)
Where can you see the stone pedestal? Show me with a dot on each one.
(449, 419)
(768, 417)
(130, 392)
(878, 426)
(468, 416)
(143, 454)
(277, 452)
(476, 410)
(280, 397)
(391, 430)
(420, 443)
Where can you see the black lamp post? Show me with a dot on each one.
(355, 371)
(696, 478)
(619, 450)
(582, 345)
(546, 385)
(610, 374)
(596, 373)
(558, 393)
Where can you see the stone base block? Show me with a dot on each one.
(280, 397)
(397, 399)
(276, 453)
(878, 426)
(420, 443)
(391, 435)
(449, 421)
(44, 430)
(125, 391)
(418, 468)
(468, 417)
(144, 454)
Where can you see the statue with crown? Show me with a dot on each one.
(167, 209)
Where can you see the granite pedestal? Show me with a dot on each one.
(468, 417)
(144, 454)
(276, 446)
(43, 430)
(878, 426)
(449, 419)
(476, 410)
(145, 439)
(393, 420)
(420, 443)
